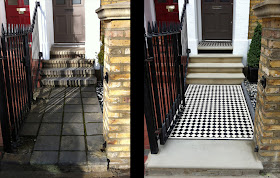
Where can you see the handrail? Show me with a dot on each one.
(34, 15)
(184, 11)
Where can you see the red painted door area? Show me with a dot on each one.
(167, 10)
(17, 11)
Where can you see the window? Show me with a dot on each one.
(60, 2)
(208, 0)
(26, 2)
(76, 1)
(224, 0)
(161, 1)
(12, 2)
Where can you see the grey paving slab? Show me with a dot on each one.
(89, 88)
(72, 89)
(91, 108)
(93, 117)
(88, 94)
(54, 101)
(73, 108)
(52, 117)
(44, 157)
(30, 129)
(90, 101)
(47, 143)
(73, 117)
(205, 154)
(95, 143)
(73, 101)
(94, 128)
(73, 94)
(97, 158)
(34, 117)
(71, 143)
(57, 94)
(73, 129)
(42, 92)
(37, 108)
(50, 129)
(54, 108)
(72, 158)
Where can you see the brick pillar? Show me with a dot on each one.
(116, 96)
(267, 114)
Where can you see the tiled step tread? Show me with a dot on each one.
(216, 76)
(69, 61)
(68, 71)
(216, 56)
(69, 81)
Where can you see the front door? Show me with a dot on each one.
(217, 19)
(17, 11)
(167, 10)
(69, 21)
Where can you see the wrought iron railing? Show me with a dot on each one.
(16, 88)
(164, 86)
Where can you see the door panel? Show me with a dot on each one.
(69, 20)
(17, 11)
(217, 19)
(167, 10)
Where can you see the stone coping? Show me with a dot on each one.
(114, 11)
(268, 8)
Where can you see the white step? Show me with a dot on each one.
(204, 158)
(216, 58)
(69, 81)
(215, 78)
(215, 67)
(68, 72)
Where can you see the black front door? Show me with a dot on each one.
(217, 19)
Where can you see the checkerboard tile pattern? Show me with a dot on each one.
(214, 112)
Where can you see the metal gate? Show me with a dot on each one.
(15, 80)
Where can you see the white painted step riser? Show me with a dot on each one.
(210, 81)
(68, 83)
(69, 73)
(215, 70)
(66, 65)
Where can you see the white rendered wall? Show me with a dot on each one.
(45, 25)
(92, 31)
(241, 10)
(2, 14)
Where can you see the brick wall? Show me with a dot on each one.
(253, 19)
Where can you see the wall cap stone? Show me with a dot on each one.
(268, 8)
(116, 11)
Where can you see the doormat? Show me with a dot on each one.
(214, 112)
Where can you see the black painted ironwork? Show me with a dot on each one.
(16, 90)
(164, 80)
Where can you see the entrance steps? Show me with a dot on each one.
(67, 67)
(204, 158)
(215, 69)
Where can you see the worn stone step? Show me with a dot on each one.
(68, 72)
(69, 81)
(67, 62)
(216, 58)
(215, 67)
(58, 51)
(215, 78)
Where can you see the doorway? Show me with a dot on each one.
(17, 11)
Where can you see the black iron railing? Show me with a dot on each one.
(164, 86)
(16, 88)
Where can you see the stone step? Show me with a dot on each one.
(215, 78)
(61, 51)
(67, 62)
(69, 81)
(215, 67)
(68, 72)
(204, 158)
(216, 58)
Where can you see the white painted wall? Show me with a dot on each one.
(92, 31)
(45, 25)
(241, 10)
(2, 14)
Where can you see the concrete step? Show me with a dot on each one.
(68, 72)
(204, 158)
(62, 51)
(215, 78)
(216, 58)
(215, 67)
(67, 62)
(69, 81)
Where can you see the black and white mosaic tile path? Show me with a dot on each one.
(214, 112)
